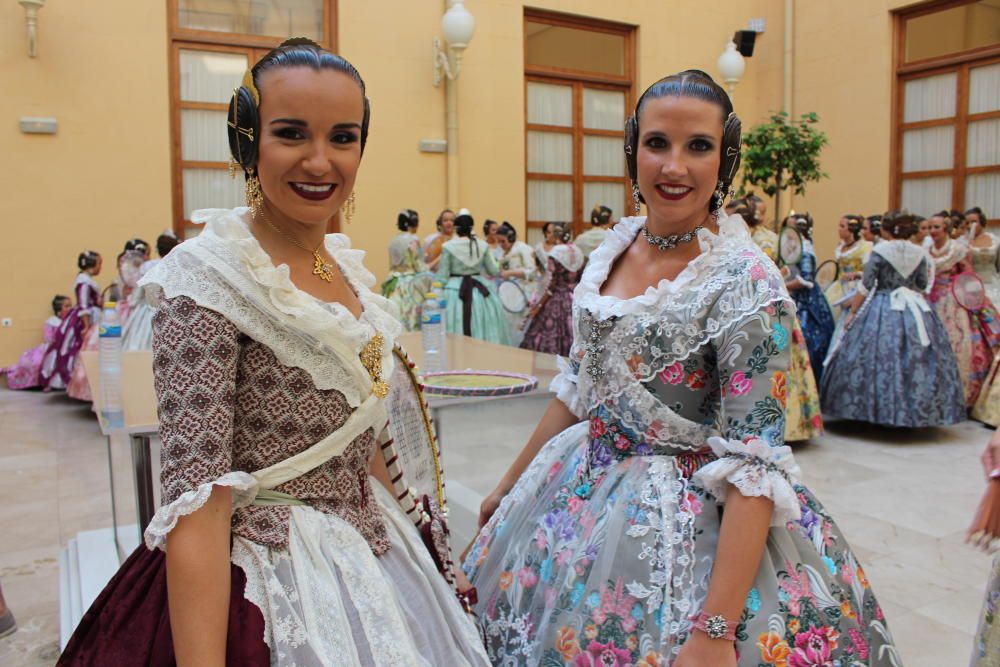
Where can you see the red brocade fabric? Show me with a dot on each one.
(129, 624)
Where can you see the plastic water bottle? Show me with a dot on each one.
(110, 357)
(438, 289)
(430, 332)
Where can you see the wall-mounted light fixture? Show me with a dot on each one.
(458, 26)
(31, 8)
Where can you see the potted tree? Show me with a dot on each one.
(782, 154)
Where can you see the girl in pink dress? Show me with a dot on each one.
(26, 373)
(60, 356)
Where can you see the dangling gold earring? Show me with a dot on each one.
(348, 209)
(232, 168)
(255, 197)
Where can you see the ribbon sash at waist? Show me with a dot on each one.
(904, 298)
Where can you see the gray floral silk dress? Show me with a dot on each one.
(603, 550)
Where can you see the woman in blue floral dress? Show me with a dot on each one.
(669, 528)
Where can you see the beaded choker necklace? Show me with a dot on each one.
(672, 241)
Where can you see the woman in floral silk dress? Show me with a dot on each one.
(409, 280)
(550, 323)
(602, 543)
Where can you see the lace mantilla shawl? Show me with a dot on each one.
(904, 256)
(225, 269)
(462, 250)
(725, 289)
(568, 255)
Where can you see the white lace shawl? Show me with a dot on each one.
(225, 269)
(461, 249)
(953, 253)
(568, 255)
(904, 256)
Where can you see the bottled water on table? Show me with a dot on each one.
(430, 332)
(438, 289)
(110, 357)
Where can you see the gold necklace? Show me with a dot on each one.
(321, 267)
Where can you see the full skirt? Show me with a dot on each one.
(803, 419)
(972, 351)
(27, 372)
(551, 329)
(986, 646)
(817, 325)
(881, 373)
(137, 334)
(325, 601)
(488, 320)
(408, 291)
(611, 576)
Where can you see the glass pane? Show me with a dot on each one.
(932, 148)
(984, 89)
(277, 18)
(550, 153)
(983, 190)
(211, 188)
(603, 156)
(984, 143)
(611, 195)
(549, 104)
(574, 48)
(551, 201)
(207, 76)
(535, 235)
(924, 196)
(952, 30)
(203, 135)
(603, 109)
(930, 98)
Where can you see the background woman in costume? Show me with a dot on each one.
(871, 229)
(445, 225)
(600, 220)
(491, 235)
(810, 304)
(27, 372)
(473, 306)
(137, 334)
(547, 243)
(986, 644)
(605, 542)
(985, 253)
(550, 318)
(971, 348)
(408, 279)
(851, 254)
(803, 418)
(893, 364)
(271, 354)
(61, 356)
(517, 264)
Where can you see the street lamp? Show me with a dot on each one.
(458, 26)
(731, 65)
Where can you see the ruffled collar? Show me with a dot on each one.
(732, 235)
(84, 278)
(858, 247)
(568, 255)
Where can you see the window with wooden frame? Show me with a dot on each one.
(212, 43)
(578, 90)
(946, 151)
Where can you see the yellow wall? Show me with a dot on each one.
(101, 71)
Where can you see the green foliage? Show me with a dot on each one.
(783, 154)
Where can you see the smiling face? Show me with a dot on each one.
(448, 224)
(310, 144)
(505, 243)
(678, 158)
(938, 228)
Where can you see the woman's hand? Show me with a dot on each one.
(700, 650)
(491, 503)
(991, 456)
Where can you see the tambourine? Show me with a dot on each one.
(969, 291)
(790, 246)
(827, 274)
(512, 297)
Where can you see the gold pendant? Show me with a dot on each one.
(321, 268)
(371, 359)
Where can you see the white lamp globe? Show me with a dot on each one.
(458, 25)
(731, 64)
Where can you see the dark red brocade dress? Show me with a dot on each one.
(551, 328)
(327, 570)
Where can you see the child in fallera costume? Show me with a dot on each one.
(61, 355)
(27, 372)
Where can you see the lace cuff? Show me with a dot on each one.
(755, 468)
(244, 488)
(565, 389)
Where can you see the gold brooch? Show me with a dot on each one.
(371, 359)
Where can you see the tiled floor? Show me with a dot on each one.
(903, 499)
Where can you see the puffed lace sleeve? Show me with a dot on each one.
(564, 385)
(753, 365)
(195, 355)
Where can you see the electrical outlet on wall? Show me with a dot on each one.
(6, 322)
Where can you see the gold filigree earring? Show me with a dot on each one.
(254, 195)
(348, 209)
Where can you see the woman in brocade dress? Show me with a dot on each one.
(605, 543)
(550, 319)
(27, 372)
(893, 365)
(811, 306)
(972, 350)
(409, 280)
(473, 309)
(61, 356)
(275, 544)
(803, 417)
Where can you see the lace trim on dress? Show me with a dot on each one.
(461, 249)
(563, 386)
(244, 488)
(904, 256)
(755, 468)
(568, 255)
(953, 253)
(224, 269)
